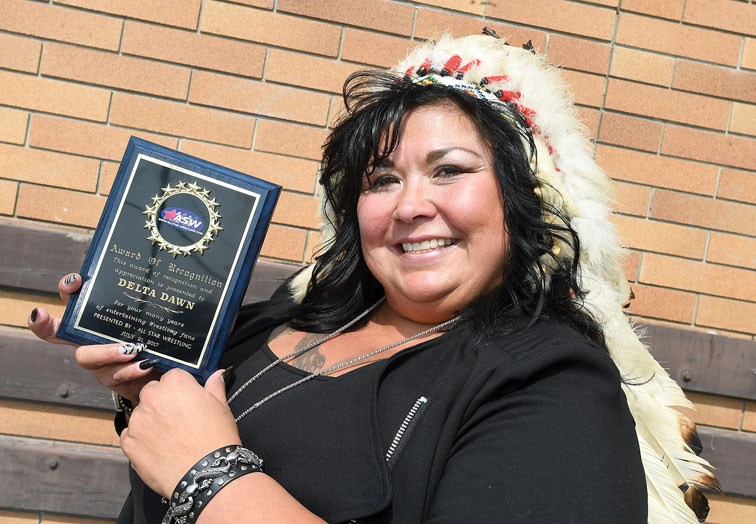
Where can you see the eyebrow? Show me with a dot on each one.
(432, 156)
(440, 153)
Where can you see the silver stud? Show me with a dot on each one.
(199, 503)
(209, 493)
(232, 474)
(229, 450)
(183, 483)
(220, 482)
(216, 454)
(204, 463)
(244, 467)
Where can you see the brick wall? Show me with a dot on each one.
(666, 87)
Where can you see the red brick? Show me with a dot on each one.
(374, 49)
(630, 264)
(432, 23)
(732, 250)
(184, 14)
(720, 313)
(587, 89)
(261, 98)
(292, 173)
(61, 206)
(714, 80)
(18, 517)
(631, 199)
(743, 119)
(289, 139)
(661, 8)
(88, 139)
(113, 70)
(737, 185)
(53, 96)
(301, 70)
(637, 133)
(270, 28)
(47, 168)
(296, 209)
(13, 124)
(284, 243)
(162, 116)
(265, 4)
(664, 104)
(568, 17)
(749, 423)
(700, 277)
(108, 172)
(704, 212)
(722, 14)
(60, 23)
(474, 7)
(675, 39)
(711, 147)
(658, 171)
(8, 192)
(60, 519)
(716, 410)
(193, 49)
(727, 509)
(642, 66)
(590, 118)
(389, 17)
(662, 303)
(58, 423)
(749, 54)
(660, 237)
(19, 53)
(578, 53)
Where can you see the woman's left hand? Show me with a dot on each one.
(176, 423)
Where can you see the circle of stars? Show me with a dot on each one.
(188, 189)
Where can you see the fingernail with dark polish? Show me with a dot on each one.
(228, 374)
(70, 278)
(33, 316)
(129, 348)
(147, 364)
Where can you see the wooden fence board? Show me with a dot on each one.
(62, 477)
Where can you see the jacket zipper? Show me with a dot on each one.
(405, 430)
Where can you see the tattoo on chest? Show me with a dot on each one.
(312, 360)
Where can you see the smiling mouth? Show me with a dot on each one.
(427, 245)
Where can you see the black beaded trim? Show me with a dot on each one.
(206, 478)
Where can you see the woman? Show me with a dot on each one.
(444, 360)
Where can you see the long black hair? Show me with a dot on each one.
(342, 286)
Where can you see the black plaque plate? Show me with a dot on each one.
(171, 257)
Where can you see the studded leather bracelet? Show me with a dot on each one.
(206, 478)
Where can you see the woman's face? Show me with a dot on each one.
(431, 217)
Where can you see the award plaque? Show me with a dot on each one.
(171, 258)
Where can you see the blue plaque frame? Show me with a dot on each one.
(149, 288)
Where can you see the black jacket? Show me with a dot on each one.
(530, 427)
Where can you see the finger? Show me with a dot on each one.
(118, 375)
(45, 326)
(96, 356)
(216, 386)
(68, 285)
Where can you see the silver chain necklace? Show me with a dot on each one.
(335, 367)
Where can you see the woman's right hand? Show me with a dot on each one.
(110, 364)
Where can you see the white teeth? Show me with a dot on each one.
(426, 245)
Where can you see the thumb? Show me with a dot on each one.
(216, 386)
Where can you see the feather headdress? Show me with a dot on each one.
(519, 80)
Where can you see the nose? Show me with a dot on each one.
(414, 202)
